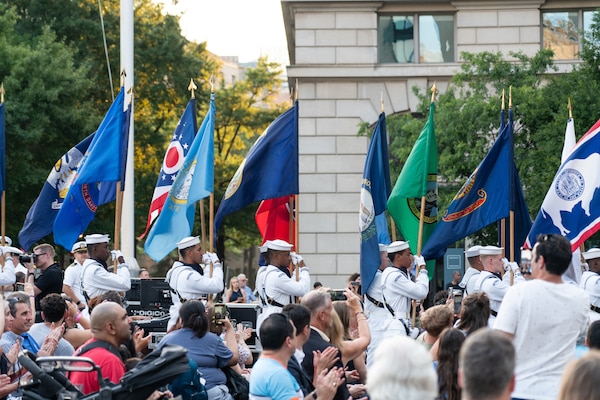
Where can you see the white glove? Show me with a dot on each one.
(211, 257)
(585, 267)
(205, 258)
(294, 257)
(116, 254)
(419, 260)
(510, 266)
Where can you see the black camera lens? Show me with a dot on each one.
(24, 259)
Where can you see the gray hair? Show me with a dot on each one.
(416, 380)
(487, 364)
(316, 300)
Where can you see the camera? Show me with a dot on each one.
(26, 258)
(337, 295)
(219, 313)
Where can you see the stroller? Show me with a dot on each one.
(157, 369)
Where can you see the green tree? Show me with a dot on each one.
(467, 121)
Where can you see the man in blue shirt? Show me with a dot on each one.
(250, 297)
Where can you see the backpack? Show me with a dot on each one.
(190, 384)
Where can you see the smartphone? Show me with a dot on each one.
(458, 295)
(337, 294)
(246, 325)
(219, 313)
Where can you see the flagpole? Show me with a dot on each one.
(421, 224)
(192, 87)
(118, 210)
(582, 245)
(126, 42)
(3, 200)
(511, 212)
(211, 198)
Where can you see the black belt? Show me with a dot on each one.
(273, 302)
(372, 300)
(494, 313)
(594, 308)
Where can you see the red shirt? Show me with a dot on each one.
(111, 366)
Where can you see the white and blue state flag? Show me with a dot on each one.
(572, 205)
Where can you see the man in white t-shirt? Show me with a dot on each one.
(72, 285)
(544, 317)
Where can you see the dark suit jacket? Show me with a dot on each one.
(316, 342)
(301, 376)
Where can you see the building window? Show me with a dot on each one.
(416, 38)
(562, 32)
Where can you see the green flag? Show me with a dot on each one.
(418, 178)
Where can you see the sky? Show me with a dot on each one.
(243, 28)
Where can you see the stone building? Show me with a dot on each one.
(348, 54)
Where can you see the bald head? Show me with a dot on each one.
(110, 322)
(103, 314)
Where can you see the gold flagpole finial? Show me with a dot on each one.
(568, 106)
(503, 94)
(191, 87)
(212, 83)
(433, 92)
(510, 97)
(1, 92)
(123, 75)
(382, 108)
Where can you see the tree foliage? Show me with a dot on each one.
(467, 121)
(54, 68)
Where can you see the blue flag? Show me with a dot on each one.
(101, 168)
(572, 205)
(375, 190)
(522, 220)
(2, 150)
(195, 181)
(40, 217)
(270, 169)
(176, 152)
(481, 201)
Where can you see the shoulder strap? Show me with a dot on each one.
(95, 345)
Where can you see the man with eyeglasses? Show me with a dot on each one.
(544, 317)
(72, 285)
(46, 276)
(398, 289)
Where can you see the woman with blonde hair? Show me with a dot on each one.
(235, 294)
(581, 377)
(350, 333)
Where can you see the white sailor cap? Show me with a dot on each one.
(7, 240)
(96, 238)
(13, 250)
(473, 251)
(279, 245)
(78, 246)
(383, 247)
(591, 254)
(397, 246)
(188, 242)
(490, 250)
(263, 248)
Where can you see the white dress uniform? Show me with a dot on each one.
(280, 290)
(188, 284)
(495, 288)
(260, 285)
(398, 290)
(7, 275)
(381, 322)
(590, 282)
(97, 280)
(468, 280)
